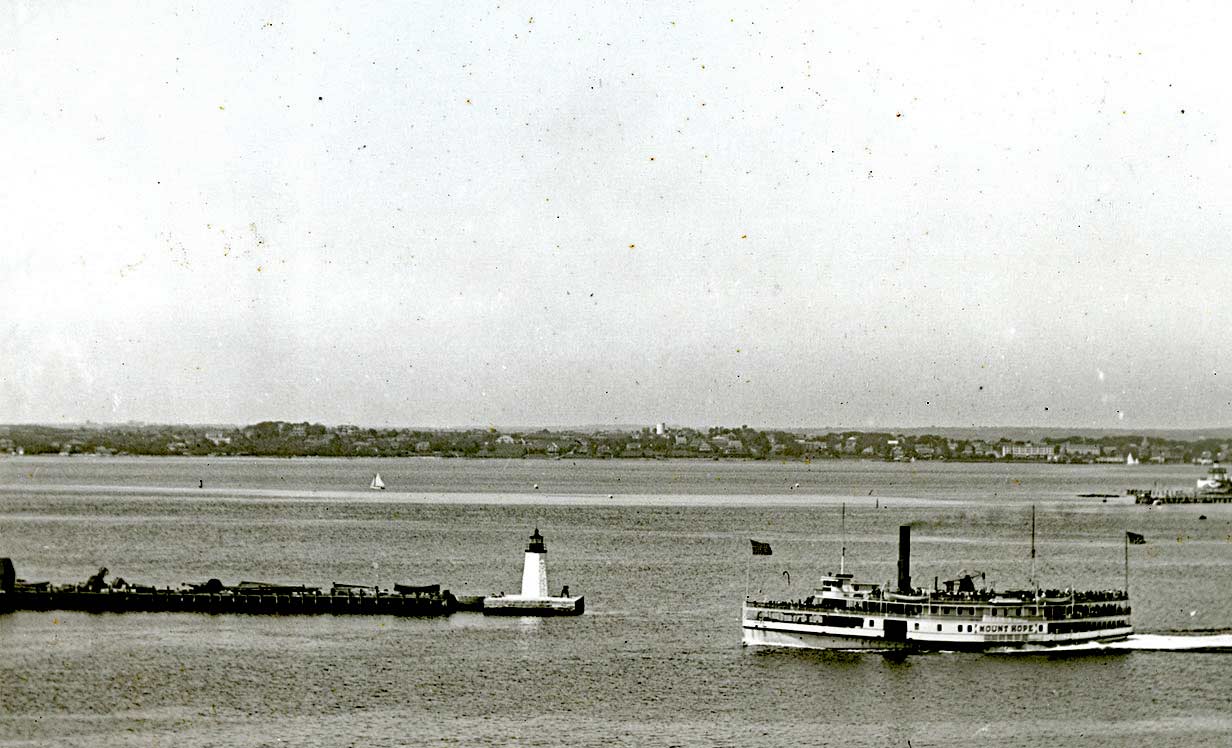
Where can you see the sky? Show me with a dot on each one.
(445, 214)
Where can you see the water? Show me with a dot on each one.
(663, 563)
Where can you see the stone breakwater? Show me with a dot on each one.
(184, 601)
(96, 595)
(262, 598)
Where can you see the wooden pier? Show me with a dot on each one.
(212, 597)
(173, 601)
(1147, 496)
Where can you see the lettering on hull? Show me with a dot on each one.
(1008, 628)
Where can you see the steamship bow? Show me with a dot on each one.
(844, 614)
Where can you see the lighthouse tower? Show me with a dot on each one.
(535, 568)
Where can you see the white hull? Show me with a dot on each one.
(873, 638)
(761, 637)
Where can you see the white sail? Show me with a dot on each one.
(377, 483)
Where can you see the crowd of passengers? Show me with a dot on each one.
(986, 595)
(1088, 602)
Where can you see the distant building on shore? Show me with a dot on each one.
(1029, 451)
(1078, 449)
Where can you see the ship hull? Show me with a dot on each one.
(764, 637)
(877, 639)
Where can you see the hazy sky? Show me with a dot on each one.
(806, 213)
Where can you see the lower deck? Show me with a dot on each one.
(770, 625)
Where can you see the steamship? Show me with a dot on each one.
(848, 615)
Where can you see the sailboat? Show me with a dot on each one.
(377, 484)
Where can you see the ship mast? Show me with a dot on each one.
(1033, 582)
(842, 553)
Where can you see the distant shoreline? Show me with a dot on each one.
(657, 442)
(721, 460)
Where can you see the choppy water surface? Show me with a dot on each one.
(663, 563)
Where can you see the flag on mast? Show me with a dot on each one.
(760, 548)
(1134, 538)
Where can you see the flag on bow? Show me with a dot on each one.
(760, 548)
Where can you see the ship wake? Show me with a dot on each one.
(1140, 643)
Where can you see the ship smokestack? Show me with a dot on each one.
(8, 575)
(904, 559)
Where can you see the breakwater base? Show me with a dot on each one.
(179, 601)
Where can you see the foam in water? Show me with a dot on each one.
(1143, 643)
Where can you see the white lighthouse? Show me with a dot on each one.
(534, 599)
(535, 568)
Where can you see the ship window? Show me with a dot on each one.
(917, 627)
(870, 623)
(938, 627)
(968, 628)
(1041, 627)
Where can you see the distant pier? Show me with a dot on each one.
(254, 598)
(1147, 496)
(178, 601)
(96, 595)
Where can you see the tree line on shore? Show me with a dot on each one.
(289, 439)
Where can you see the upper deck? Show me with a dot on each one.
(1075, 605)
(841, 594)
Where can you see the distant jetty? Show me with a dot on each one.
(1215, 488)
(97, 595)
(259, 598)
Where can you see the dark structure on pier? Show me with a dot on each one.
(260, 598)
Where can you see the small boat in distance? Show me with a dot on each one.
(377, 484)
